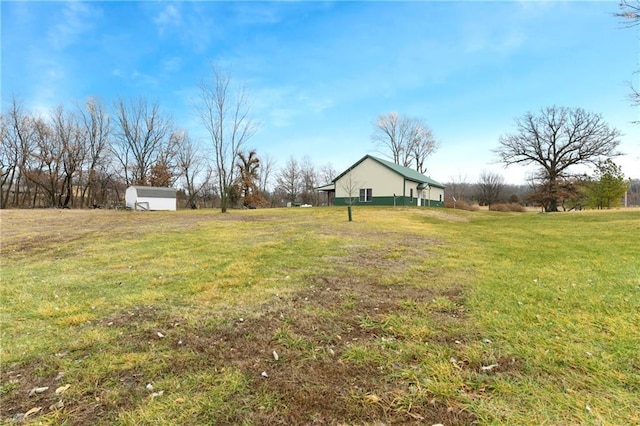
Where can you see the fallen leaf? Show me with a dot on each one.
(57, 406)
(415, 415)
(38, 390)
(62, 389)
(33, 411)
(156, 394)
(372, 398)
(179, 400)
(489, 367)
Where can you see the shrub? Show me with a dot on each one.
(461, 205)
(507, 207)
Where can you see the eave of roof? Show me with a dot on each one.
(328, 187)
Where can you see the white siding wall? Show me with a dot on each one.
(435, 193)
(370, 174)
(131, 198)
(159, 203)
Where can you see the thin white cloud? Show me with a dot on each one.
(169, 18)
(191, 23)
(75, 20)
(285, 105)
(256, 13)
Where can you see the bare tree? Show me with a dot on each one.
(70, 138)
(289, 180)
(406, 141)
(629, 12)
(351, 188)
(556, 139)
(165, 171)
(190, 165)
(423, 145)
(327, 173)
(97, 128)
(458, 188)
(391, 134)
(563, 192)
(309, 180)
(46, 171)
(18, 143)
(267, 166)
(226, 116)
(141, 136)
(489, 186)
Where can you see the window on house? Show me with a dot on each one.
(365, 195)
(440, 197)
(411, 194)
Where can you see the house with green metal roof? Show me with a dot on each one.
(374, 181)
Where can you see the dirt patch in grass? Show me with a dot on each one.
(310, 382)
(313, 356)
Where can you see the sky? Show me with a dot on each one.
(320, 73)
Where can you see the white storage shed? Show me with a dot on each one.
(150, 198)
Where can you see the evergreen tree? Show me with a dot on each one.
(608, 186)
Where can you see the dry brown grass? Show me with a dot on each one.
(507, 207)
(317, 328)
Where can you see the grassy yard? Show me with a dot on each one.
(297, 316)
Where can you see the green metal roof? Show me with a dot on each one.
(405, 172)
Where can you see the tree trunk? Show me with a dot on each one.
(553, 195)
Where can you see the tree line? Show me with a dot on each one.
(87, 156)
(605, 188)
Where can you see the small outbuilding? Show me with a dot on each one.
(374, 181)
(150, 198)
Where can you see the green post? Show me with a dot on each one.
(349, 212)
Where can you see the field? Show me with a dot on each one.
(297, 316)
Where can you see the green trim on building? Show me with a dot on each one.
(385, 201)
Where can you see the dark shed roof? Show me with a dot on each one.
(155, 192)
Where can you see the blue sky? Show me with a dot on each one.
(320, 73)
